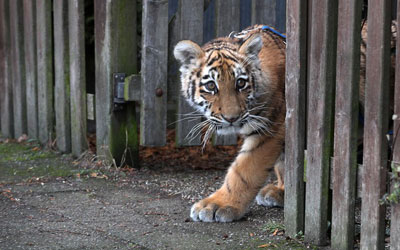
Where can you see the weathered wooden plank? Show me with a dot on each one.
(296, 70)
(191, 24)
(30, 67)
(76, 27)
(344, 170)
(44, 43)
(320, 115)
(395, 213)
(263, 12)
(153, 108)
(227, 19)
(116, 131)
(376, 115)
(280, 18)
(6, 96)
(132, 90)
(61, 76)
(18, 67)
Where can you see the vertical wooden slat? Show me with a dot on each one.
(227, 13)
(280, 19)
(116, 130)
(18, 67)
(30, 67)
(44, 44)
(344, 168)
(376, 112)
(153, 108)
(395, 215)
(227, 17)
(76, 27)
(6, 97)
(61, 76)
(320, 111)
(191, 24)
(263, 12)
(296, 69)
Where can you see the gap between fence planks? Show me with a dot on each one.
(61, 72)
(296, 69)
(224, 25)
(153, 109)
(30, 66)
(344, 170)
(18, 67)
(76, 28)
(320, 105)
(44, 58)
(191, 28)
(6, 97)
(376, 111)
(395, 215)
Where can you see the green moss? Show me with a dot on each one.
(12, 152)
(19, 162)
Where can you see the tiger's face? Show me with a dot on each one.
(220, 81)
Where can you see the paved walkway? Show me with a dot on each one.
(147, 209)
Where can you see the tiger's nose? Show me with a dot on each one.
(230, 119)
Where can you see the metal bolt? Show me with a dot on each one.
(159, 92)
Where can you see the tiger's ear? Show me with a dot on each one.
(187, 50)
(252, 46)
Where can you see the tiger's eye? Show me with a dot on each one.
(210, 86)
(240, 83)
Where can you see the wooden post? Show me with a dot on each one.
(30, 67)
(344, 168)
(115, 47)
(225, 23)
(320, 114)
(191, 24)
(18, 67)
(376, 115)
(395, 215)
(76, 27)
(296, 69)
(62, 77)
(45, 69)
(153, 108)
(263, 12)
(6, 96)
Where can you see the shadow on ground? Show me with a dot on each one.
(48, 202)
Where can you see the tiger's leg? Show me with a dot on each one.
(244, 179)
(273, 195)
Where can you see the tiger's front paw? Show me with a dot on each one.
(208, 210)
(270, 196)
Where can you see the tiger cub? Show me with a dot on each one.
(238, 84)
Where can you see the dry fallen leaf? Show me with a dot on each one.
(264, 245)
(94, 174)
(22, 138)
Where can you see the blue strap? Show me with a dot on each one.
(266, 27)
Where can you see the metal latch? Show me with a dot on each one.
(119, 85)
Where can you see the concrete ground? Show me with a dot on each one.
(48, 202)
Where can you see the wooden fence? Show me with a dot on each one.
(323, 57)
(49, 74)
